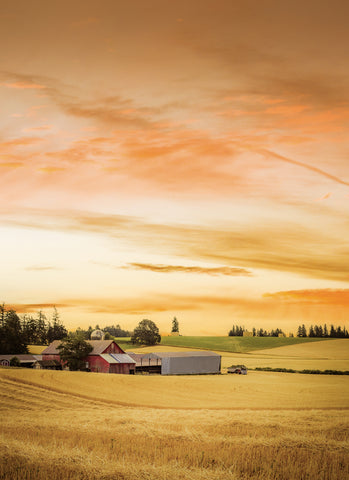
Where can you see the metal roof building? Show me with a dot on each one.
(26, 359)
(178, 363)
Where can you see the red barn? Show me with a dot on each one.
(106, 357)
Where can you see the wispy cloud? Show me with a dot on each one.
(322, 296)
(51, 169)
(33, 307)
(11, 164)
(39, 268)
(214, 271)
(19, 142)
(25, 85)
(280, 246)
(38, 129)
(148, 303)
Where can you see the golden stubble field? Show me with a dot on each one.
(74, 425)
(329, 355)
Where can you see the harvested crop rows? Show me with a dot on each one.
(82, 434)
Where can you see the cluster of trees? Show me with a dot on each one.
(73, 349)
(16, 332)
(110, 331)
(322, 331)
(264, 333)
(238, 331)
(146, 333)
(314, 331)
(117, 331)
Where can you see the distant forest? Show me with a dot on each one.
(17, 332)
(313, 331)
(322, 331)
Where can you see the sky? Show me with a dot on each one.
(186, 158)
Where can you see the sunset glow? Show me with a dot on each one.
(187, 159)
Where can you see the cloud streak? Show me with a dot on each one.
(25, 85)
(34, 307)
(268, 153)
(39, 268)
(214, 271)
(322, 296)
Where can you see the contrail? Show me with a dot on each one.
(304, 165)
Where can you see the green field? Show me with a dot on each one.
(125, 343)
(235, 344)
(222, 344)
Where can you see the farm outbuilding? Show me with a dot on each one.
(47, 365)
(189, 363)
(26, 360)
(178, 363)
(147, 362)
(106, 357)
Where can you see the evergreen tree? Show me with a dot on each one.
(325, 331)
(2, 315)
(56, 330)
(12, 335)
(175, 325)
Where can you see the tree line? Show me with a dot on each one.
(109, 331)
(238, 331)
(322, 331)
(16, 333)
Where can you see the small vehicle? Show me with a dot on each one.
(239, 369)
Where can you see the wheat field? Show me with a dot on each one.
(74, 425)
(324, 355)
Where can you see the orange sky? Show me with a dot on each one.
(184, 159)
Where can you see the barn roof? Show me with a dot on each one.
(145, 359)
(114, 358)
(155, 358)
(24, 358)
(99, 346)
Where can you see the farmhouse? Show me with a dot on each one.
(106, 357)
(178, 363)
